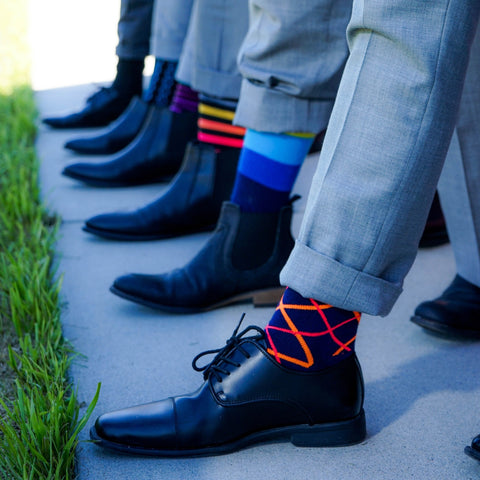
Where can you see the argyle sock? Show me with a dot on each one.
(215, 117)
(268, 166)
(129, 77)
(162, 84)
(307, 335)
(184, 99)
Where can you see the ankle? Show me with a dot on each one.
(128, 81)
(308, 335)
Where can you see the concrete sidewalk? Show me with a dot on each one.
(422, 392)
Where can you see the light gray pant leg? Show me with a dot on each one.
(459, 186)
(208, 60)
(169, 28)
(134, 29)
(383, 152)
(286, 88)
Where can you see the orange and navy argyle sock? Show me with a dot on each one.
(268, 166)
(215, 117)
(308, 335)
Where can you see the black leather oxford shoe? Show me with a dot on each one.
(455, 313)
(103, 107)
(246, 398)
(116, 135)
(474, 449)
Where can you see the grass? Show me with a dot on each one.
(39, 414)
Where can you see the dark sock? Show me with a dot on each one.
(162, 84)
(128, 81)
(308, 335)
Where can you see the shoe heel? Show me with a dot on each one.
(332, 434)
(268, 297)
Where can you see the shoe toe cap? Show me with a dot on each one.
(433, 310)
(137, 286)
(112, 222)
(86, 145)
(79, 170)
(156, 291)
(146, 426)
(476, 443)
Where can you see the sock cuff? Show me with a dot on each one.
(281, 147)
(184, 99)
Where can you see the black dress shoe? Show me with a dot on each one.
(191, 204)
(117, 135)
(103, 107)
(241, 262)
(154, 156)
(455, 313)
(247, 398)
(474, 450)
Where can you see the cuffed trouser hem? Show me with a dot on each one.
(213, 83)
(170, 53)
(268, 110)
(317, 276)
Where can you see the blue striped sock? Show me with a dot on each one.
(268, 166)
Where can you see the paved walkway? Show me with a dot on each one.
(422, 392)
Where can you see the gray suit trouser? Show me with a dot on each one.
(386, 143)
(153, 27)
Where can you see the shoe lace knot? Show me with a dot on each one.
(218, 366)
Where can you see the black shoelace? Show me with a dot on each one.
(217, 367)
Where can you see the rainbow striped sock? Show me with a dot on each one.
(269, 164)
(215, 124)
(307, 335)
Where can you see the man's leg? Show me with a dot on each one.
(228, 269)
(456, 312)
(134, 29)
(169, 27)
(404, 76)
(193, 201)
(383, 152)
(160, 136)
(133, 46)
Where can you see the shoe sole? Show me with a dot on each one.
(111, 235)
(112, 184)
(268, 297)
(471, 452)
(444, 330)
(337, 434)
(87, 152)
